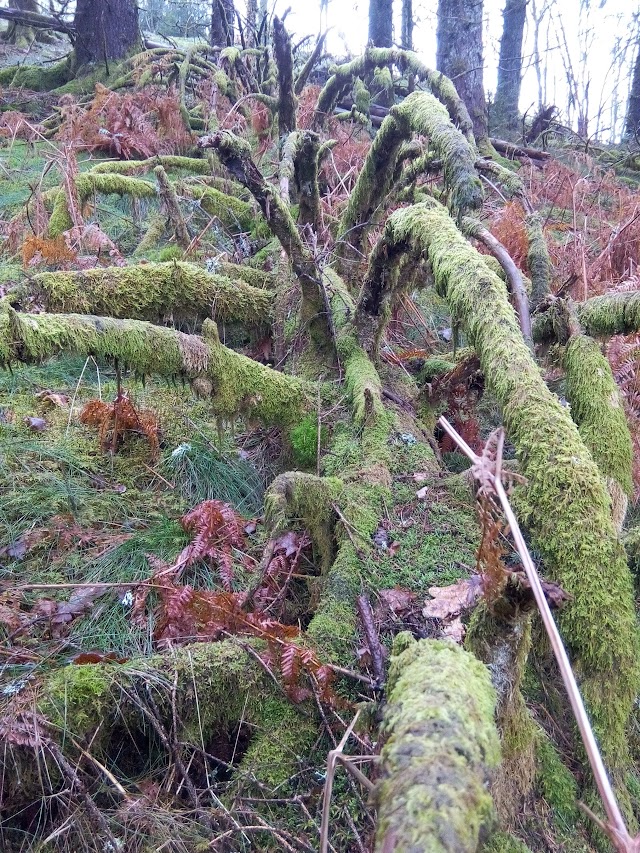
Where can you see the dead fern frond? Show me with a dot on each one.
(116, 420)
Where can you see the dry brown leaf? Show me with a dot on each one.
(449, 602)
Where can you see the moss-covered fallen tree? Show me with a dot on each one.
(179, 290)
(236, 384)
(440, 752)
(565, 503)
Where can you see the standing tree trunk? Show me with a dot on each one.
(459, 56)
(106, 29)
(510, 66)
(381, 22)
(407, 25)
(222, 16)
(632, 122)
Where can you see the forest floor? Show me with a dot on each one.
(96, 507)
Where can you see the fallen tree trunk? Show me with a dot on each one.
(237, 385)
(441, 750)
(154, 292)
(565, 504)
(33, 19)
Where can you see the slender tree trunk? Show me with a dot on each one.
(632, 122)
(381, 22)
(222, 19)
(106, 29)
(510, 66)
(251, 23)
(407, 25)
(459, 56)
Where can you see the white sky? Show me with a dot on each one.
(594, 25)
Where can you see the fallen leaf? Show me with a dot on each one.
(455, 630)
(393, 549)
(420, 477)
(53, 398)
(97, 657)
(36, 424)
(398, 599)
(450, 601)
(422, 493)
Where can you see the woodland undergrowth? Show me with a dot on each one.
(175, 549)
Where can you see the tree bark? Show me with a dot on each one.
(632, 123)
(222, 15)
(459, 56)
(381, 23)
(18, 33)
(107, 29)
(510, 66)
(407, 25)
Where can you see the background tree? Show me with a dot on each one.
(20, 34)
(381, 22)
(460, 56)
(406, 39)
(632, 120)
(105, 30)
(222, 22)
(505, 112)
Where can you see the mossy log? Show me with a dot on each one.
(597, 409)
(87, 185)
(441, 750)
(565, 503)
(153, 292)
(206, 687)
(237, 385)
(170, 162)
(600, 316)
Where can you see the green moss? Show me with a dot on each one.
(615, 314)
(442, 746)
(596, 407)
(234, 213)
(538, 260)
(183, 291)
(556, 783)
(504, 842)
(304, 441)
(37, 77)
(77, 697)
(168, 162)
(565, 504)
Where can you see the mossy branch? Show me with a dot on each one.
(565, 504)
(155, 291)
(344, 76)
(441, 750)
(420, 113)
(235, 154)
(237, 385)
(596, 407)
(600, 317)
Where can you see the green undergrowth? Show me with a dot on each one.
(58, 482)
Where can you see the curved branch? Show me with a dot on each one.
(442, 87)
(420, 113)
(565, 504)
(513, 274)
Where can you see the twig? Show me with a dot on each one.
(373, 641)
